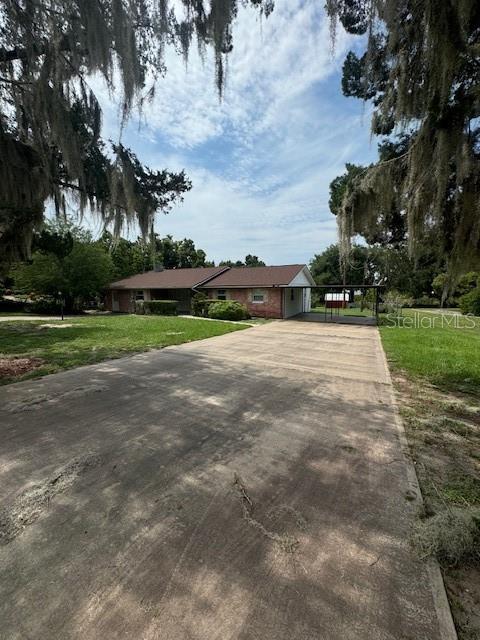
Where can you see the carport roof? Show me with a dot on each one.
(168, 278)
(255, 277)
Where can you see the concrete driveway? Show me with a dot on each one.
(251, 486)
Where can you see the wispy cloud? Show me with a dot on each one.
(261, 159)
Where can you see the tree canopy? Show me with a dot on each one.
(65, 263)
(421, 70)
(139, 256)
(250, 261)
(50, 119)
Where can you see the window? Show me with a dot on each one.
(258, 296)
(139, 295)
(221, 294)
(292, 295)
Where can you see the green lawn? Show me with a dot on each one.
(86, 340)
(344, 312)
(442, 348)
(436, 372)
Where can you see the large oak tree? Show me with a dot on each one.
(421, 71)
(50, 119)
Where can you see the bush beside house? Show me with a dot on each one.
(202, 304)
(227, 310)
(156, 307)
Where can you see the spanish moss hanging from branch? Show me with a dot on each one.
(50, 120)
(421, 70)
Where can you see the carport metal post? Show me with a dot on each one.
(343, 288)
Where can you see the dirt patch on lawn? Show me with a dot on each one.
(55, 326)
(14, 367)
(443, 432)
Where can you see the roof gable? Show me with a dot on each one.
(168, 278)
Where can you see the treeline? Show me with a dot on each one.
(68, 265)
(423, 280)
(130, 257)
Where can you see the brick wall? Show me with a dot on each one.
(270, 308)
(124, 301)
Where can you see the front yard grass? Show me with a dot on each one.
(436, 374)
(347, 311)
(439, 347)
(86, 340)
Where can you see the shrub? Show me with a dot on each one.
(11, 305)
(470, 302)
(139, 307)
(199, 304)
(44, 306)
(394, 301)
(426, 302)
(227, 310)
(160, 307)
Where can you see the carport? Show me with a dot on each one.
(343, 304)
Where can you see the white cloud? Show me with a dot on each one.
(262, 159)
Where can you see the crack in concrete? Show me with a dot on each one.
(33, 403)
(285, 541)
(30, 504)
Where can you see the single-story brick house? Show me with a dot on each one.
(269, 292)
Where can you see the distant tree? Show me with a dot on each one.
(397, 270)
(325, 266)
(464, 285)
(250, 261)
(253, 261)
(78, 273)
(140, 256)
(128, 257)
(230, 263)
(389, 265)
(188, 255)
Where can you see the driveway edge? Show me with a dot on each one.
(440, 598)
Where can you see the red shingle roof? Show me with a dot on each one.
(168, 278)
(255, 277)
(211, 277)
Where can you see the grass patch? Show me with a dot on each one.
(436, 372)
(87, 340)
(453, 536)
(366, 313)
(462, 490)
(441, 348)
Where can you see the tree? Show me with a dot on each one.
(464, 285)
(128, 257)
(50, 119)
(253, 261)
(230, 263)
(78, 273)
(388, 265)
(250, 261)
(420, 70)
(326, 268)
(139, 256)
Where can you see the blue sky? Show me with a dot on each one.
(262, 159)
